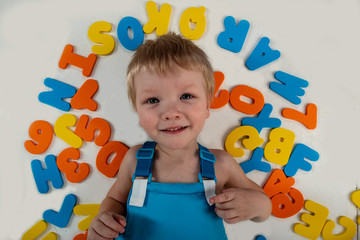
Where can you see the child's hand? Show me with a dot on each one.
(106, 225)
(239, 204)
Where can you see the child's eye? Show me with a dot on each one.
(152, 100)
(186, 96)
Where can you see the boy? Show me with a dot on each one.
(173, 188)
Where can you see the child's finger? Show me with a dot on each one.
(121, 219)
(225, 196)
(112, 223)
(226, 214)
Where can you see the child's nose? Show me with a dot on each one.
(171, 112)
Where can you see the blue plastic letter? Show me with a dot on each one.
(263, 119)
(60, 91)
(255, 162)
(261, 55)
(234, 36)
(61, 218)
(297, 159)
(51, 173)
(126, 24)
(290, 88)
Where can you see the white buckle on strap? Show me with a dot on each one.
(209, 188)
(138, 193)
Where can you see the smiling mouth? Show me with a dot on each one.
(174, 130)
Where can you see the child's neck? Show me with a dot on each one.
(176, 165)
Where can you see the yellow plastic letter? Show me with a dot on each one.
(38, 229)
(279, 147)
(63, 132)
(158, 20)
(314, 222)
(251, 141)
(347, 234)
(193, 15)
(107, 41)
(86, 209)
(355, 198)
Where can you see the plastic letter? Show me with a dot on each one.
(348, 233)
(74, 172)
(86, 130)
(51, 173)
(61, 218)
(287, 205)
(63, 132)
(126, 24)
(355, 198)
(278, 183)
(55, 97)
(255, 162)
(193, 15)
(106, 41)
(158, 20)
(81, 236)
(223, 97)
(251, 142)
(309, 119)
(83, 97)
(38, 229)
(86, 209)
(41, 133)
(85, 63)
(297, 159)
(263, 119)
(110, 169)
(262, 55)
(290, 87)
(279, 147)
(314, 222)
(234, 36)
(241, 106)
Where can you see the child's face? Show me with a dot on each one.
(173, 107)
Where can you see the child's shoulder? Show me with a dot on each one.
(129, 161)
(222, 156)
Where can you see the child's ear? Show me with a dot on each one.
(208, 107)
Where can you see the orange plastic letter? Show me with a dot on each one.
(223, 97)
(87, 131)
(277, 183)
(83, 97)
(42, 133)
(241, 106)
(110, 169)
(85, 63)
(287, 205)
(73, 171)
(309, 119)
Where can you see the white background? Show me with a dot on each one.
(319, 41)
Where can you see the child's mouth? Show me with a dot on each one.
(174, 130)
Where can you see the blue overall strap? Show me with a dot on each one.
(144, 157)
(207, 176)
(207, 160)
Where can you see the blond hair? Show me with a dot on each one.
(164, 53)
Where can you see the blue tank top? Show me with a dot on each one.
(173, 211)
